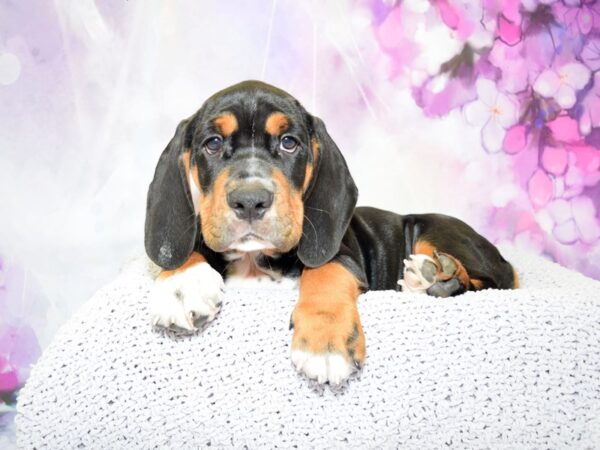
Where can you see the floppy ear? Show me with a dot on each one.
(329, 201)
(171, 224)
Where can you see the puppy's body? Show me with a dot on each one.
(374, 248)
(254, 185)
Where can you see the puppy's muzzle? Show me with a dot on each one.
(250, 201)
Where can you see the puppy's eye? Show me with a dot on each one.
(288, 144)
(213, 145)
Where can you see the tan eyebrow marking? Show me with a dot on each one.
(276, 123)
(226, 124)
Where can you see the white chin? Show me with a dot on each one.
(251, 246)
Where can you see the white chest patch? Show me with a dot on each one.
(243, 270)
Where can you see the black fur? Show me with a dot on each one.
(171, 226)
(329, 202)
(371, 243)
(377, 242)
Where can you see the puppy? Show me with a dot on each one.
(253, 185)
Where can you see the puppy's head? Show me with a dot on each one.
(250, 171)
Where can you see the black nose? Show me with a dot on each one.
(250, 202)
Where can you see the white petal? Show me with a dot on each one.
(547, 83)
(492, 136)
(529, 5)
(559, 186)
(584, 214)
(416, 6)
(481, 38)
(486, 91)
(507, 111)
(439, 83)
(566, 233)
(565, 96)
(575, 75)
(476, 113)
(560, 210)
(544, 220)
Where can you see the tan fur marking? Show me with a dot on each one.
(194, 170)
(195, 258)
(308, 172)
(288, 204)
(516, 281)
(226, 124)
(310, 166)
(276, 123)
(424, 248)
(477, 284)
(185, 157)
(326, 316)
(213, 207)
(314, 145)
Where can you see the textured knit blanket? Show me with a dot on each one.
(493, 369)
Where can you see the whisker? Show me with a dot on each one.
(320, 210)
(314, 228)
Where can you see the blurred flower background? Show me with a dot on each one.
(488, 110)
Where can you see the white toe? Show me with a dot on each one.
(323, 367)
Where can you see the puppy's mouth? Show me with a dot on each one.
(251, 242)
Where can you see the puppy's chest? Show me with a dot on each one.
(250, 268)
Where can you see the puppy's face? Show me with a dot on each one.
(250, 161)
(258, 173)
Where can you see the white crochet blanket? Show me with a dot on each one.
(494, 369)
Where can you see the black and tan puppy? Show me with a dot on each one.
(253, 185)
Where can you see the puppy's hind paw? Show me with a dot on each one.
(419, 273)
(440, 276)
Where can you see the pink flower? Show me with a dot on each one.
(515, 139)
(494, 111)
(574, 220)
(540, 189)
(554, 160)
(439, 95)
(562, 83)
(18, 349)
(565, 129)
(521, 63)
(508, 31)
(582, 171)
(9, 379)
(466, 18)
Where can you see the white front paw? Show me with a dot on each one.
(187, 299)
(323, 367)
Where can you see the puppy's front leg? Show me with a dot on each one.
(328, 342)
(188, 297)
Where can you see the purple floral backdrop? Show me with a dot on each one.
(488, 110)
(524, 73)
